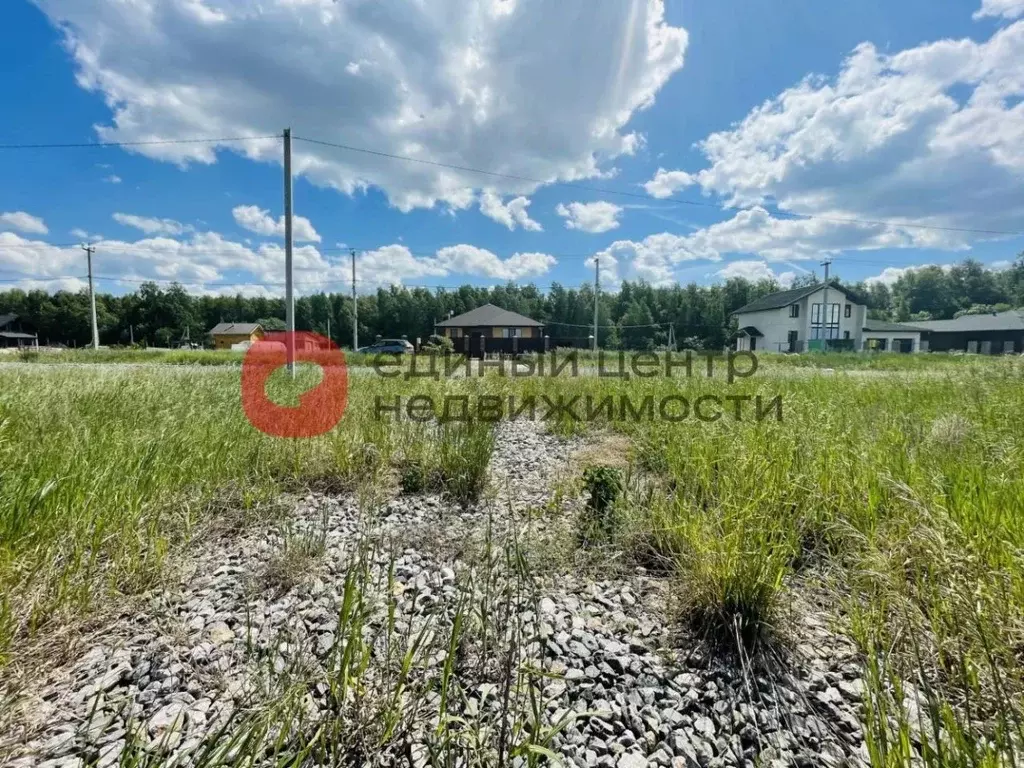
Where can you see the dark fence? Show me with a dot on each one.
(486, 345)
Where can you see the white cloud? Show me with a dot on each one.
(394, 264)
(150, 225)
(593, 217)
(255, 219)
(890, 275)
(931, 135)
(755, 270)
(207, 262)
(85, 235)
(461, 82)
(1009, 9)
(112, 179)
(510, 214)
(665, 183)
(24, 222)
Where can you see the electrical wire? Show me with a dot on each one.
(670, 201)
(143, 143)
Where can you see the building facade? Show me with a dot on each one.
(801, 319)
(225, 335)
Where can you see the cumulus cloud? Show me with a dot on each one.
(665, 183)
(890, 275)
(112, 179)
(255, 219)
(208, 262)
(460, 82)
(394, 264)
(24, 222)
(931, 135)
(594, 217)
(511, 214)
(755, 270)
(150, 225)
(1008, 9)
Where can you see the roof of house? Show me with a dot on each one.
(6, 320)
(784, 298)
(1011, 320)
(488, 314)
(16, 335)
(883, 326)
(234, 329)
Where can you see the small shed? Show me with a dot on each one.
(226, 335)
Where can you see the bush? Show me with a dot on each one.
(438, 344)
(604, 487)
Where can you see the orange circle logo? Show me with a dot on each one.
(319, 409)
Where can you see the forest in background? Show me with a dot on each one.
(637, 316)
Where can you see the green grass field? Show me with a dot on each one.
(901, 494)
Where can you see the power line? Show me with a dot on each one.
(144, 143)
(668, 201)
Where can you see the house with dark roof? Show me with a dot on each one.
(491, 322)
(992, 333)
(812, 317)
(226, 335)
(15, 332)
(492, 329)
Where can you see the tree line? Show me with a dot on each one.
(638, 316)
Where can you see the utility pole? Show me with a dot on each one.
(355, 306)
(597, 293)
(289, 297)
(826, 314)
(131, 334)
(328, 321)
(92, 296)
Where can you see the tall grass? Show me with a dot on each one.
(106, 470)
(903, 494)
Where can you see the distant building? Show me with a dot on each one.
(993, 333)
(491, 329)
(797, 320)
(225, 335)
(883, 336)
(490, 322)
(15, 332)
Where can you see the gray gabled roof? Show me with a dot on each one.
(6, 320)
(233, 329)
(1011, 320)
(489, 314)
(884, 326)
(785, 298)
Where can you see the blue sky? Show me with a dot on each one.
(893, 132)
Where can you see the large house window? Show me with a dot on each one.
(794, 310)
(511, 333)
(825, 324)
(456, 333)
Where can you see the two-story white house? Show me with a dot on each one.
(801, 319)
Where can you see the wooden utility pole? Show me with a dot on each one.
(289, 297)
(92, 296)
(597, 293)
(355, 306)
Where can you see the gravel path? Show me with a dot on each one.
(619, 689)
